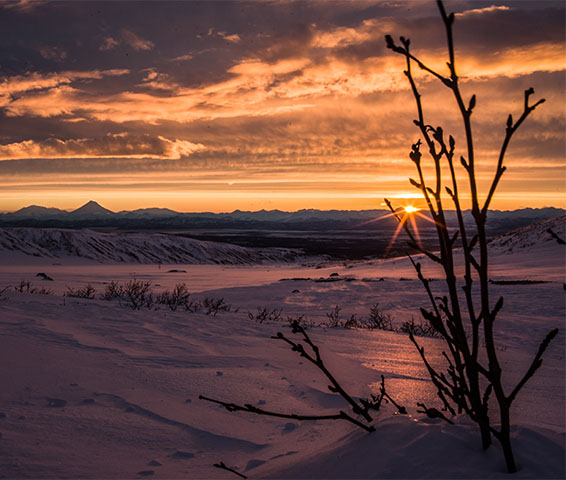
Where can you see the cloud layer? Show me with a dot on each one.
(269, 92)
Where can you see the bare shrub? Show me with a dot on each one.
(2, 296)
(301, 321)
(88, 291)
(138, 294)
(25, 286)
(466, 383)
(264, 314)
(421, 329)
(378, 319)
(334, 319)
(214, 305)
(352, 322)
(179, 297)
(112, 290)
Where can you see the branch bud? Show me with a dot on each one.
(415, 184)
(472, 103)
(498, 306)
(452, 143)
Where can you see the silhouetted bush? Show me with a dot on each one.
(112, 290)
(25, 286)
(421, 329)
(214, 305)
(179, 297)
(87, 291)
(138, 294)
(471, 374)
(334, 319)
(378, 319)
(264, 314)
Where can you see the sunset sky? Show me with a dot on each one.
(217, 106)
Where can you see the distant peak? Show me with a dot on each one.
(92, 208)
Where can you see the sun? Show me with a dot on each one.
(410, 209)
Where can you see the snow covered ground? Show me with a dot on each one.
(93, 389)
(142, 248)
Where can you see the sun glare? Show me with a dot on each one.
(411, 209)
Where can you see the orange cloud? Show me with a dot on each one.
(37, 81)
(135, 41)
(479, 11)
(121, 145)
(108, 44)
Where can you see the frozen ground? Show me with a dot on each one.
(93, 389)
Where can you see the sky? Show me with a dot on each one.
(217, 106)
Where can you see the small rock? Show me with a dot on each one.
(88, 401)
(21, 417)
(44, 276)
(296, 291)
(73, 384)
(188, 400)
(2, 415)
(219, 374)
(154, 463)
(261, 402)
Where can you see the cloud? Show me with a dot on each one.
(259, 87)
(23, 6)
(234, 38)
(121, 145)
(135, 41)
(182, 58)
(108, 44)
(344, 36)
(479, 11)
(52, 53)
(19, 84)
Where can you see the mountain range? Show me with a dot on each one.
(93, 215)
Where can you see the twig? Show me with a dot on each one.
(335, 387)
(224, 467)
(433, 413)
(402, 410)
(537, 362)
(232, 407)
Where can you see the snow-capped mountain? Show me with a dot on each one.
(135, 248)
